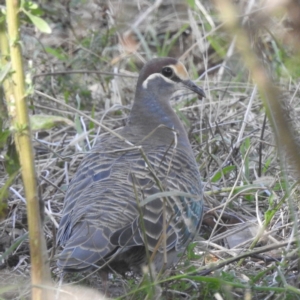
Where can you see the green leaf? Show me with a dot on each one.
(8, 288)
(267, 165)
(58, 53)
(245, 154)
(43, 122)
(269, 215)
(223, 172)
(4, 192)
(191, 251)
(11, 161)
(4, 71)
(3, 137)
(31, 5)
(92, 124)
(280, 186)
(191, 3)
(217, 45)
(39, 23)
(78, 125)
(14, 246)
(249, 197)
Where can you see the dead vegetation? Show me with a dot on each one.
(250, 193)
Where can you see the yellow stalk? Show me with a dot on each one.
(270, 94)
(17, 109)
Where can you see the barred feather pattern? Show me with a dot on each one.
(106, 222)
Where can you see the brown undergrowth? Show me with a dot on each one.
(245, 182)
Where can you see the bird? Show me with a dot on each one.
(137, 200)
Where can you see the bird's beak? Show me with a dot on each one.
(193, 87)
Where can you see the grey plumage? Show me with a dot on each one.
(105, 221)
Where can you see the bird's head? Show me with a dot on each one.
(161, 77)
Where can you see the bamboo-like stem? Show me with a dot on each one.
(4, 51)
(270, 94)
(17, 108)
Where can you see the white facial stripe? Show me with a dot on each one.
(153, 76)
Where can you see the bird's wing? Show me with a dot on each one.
(99, 200)
(174, 208)
(104, 207)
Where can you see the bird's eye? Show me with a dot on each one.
(167, 72)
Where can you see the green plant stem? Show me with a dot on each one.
(4, 51)
(16, 103)
(221, 282)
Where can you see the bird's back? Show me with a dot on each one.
(105, 213)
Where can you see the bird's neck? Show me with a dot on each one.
(149, 115)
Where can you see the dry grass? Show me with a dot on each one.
(234, 144)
